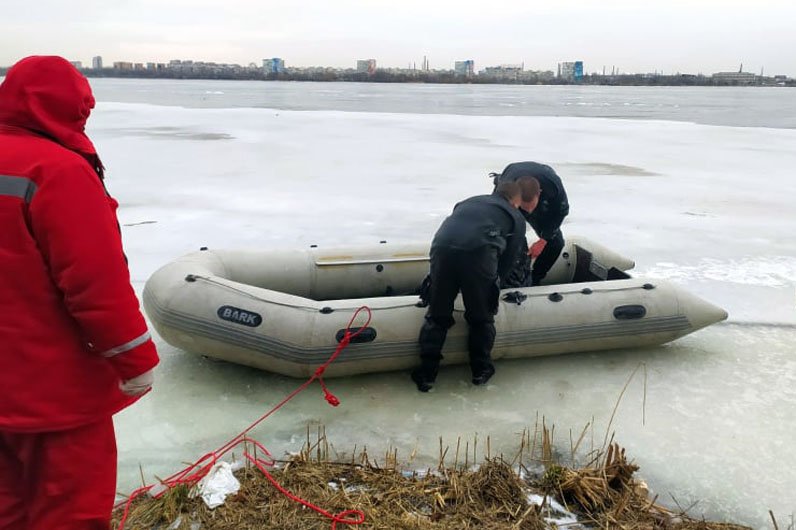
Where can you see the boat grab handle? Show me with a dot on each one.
(629, 312)
(367, 334)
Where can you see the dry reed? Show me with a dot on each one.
(603, 494)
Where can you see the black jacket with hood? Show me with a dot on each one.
(553, 205)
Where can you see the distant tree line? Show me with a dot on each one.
(673, 80)
(384, 76)
(243, 74)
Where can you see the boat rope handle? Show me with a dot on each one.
(646, 287)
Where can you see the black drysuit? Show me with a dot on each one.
(545, 220)
(475, 247)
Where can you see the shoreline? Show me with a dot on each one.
(533, 490)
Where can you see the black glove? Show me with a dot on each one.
(424, 291)
(520, 274)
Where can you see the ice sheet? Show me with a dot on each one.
(709, 207)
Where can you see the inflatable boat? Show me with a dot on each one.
(285, 311)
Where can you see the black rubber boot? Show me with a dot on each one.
(425, 375)
(423, 384)
(482, 377)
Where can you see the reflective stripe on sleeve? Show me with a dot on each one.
(20, 187)
(138, 341)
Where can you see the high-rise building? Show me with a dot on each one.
(504, 71)
(274, 65)
(96, 63)
(464, 68)
(77, 64)
(571, 71)
(366, 66)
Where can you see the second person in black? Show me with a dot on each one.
(545, 219)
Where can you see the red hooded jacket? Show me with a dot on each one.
(70, 324)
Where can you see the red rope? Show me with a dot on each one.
(191, 475)
(336, 518)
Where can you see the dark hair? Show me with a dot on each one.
(529, 187)
(509, 189)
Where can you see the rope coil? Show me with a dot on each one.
(191, 475)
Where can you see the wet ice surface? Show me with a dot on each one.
(705, 206)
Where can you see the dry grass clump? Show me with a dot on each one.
(491, 498)
(604, 494)
(595, 489)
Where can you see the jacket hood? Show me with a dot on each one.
(47, 95)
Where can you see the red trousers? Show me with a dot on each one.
(58, 480)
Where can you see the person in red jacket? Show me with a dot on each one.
(74, 346)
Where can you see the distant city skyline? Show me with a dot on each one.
(698, 36)
(100, 62)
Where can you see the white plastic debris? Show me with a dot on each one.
(556, 514)
(217, 484)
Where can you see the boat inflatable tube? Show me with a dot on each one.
(285, 311)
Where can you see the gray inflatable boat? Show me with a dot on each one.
(285, 311)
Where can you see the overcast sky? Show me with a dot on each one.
(640, 36)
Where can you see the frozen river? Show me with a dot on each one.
(706, 202)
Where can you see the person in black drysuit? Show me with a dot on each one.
(545, 220)
(473, 249)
